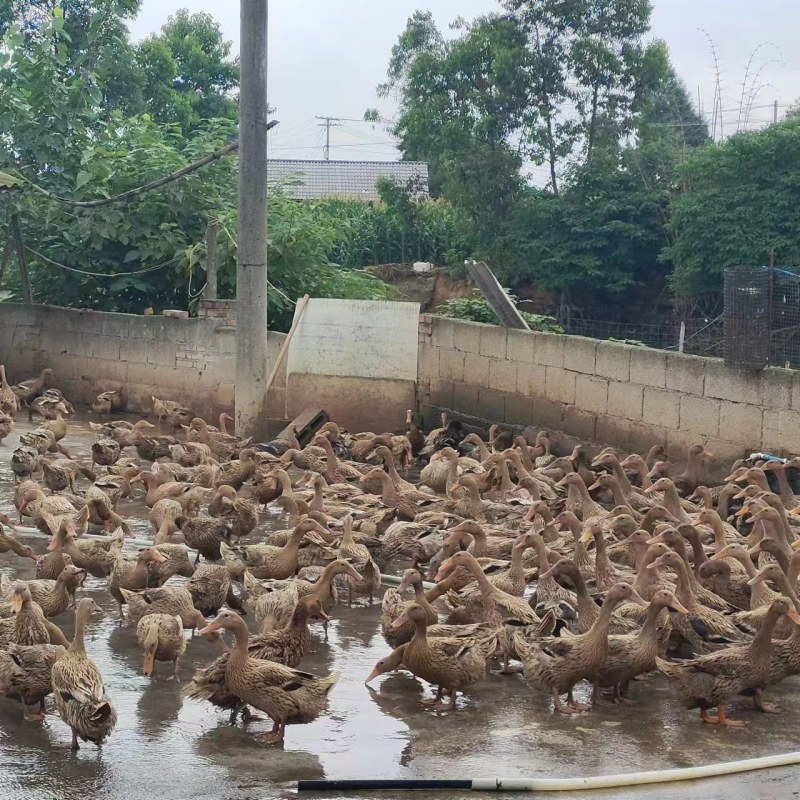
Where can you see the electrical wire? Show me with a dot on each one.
(101, 274)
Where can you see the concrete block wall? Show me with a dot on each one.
(630, 397)
(192, 361)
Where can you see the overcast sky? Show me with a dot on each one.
(327, 57)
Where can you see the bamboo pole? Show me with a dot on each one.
(301, 307)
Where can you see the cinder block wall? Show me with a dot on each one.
(192, 361)
(631, 397)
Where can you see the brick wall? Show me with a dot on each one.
(192, 361)
(631, 397)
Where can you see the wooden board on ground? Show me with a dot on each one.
(306, 424)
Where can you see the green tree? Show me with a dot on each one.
(187, 73)
(738, 205)
(461, 102)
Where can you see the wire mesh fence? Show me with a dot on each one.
(759, 325)
(701, 335)
(784, 318)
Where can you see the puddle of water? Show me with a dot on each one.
(166, 746)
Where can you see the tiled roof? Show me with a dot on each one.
(311, 180)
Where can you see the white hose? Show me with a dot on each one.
(632, 778)
(394, 580)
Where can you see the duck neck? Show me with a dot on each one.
(649, 629)
(672, 502)
(785, 490)
(641, 467)
(525, 455)
(483, 450)
(616, 491)
(318, 503)
(683, 590)
(505, 481)
(81, 618)
(724, 499)
(420, 631)
(787, 589)
(622, 478)
(238, 655)
(391, 468)
(762, 641)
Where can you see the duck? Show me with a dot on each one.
(131, 574)
(274, 606)
(556, 665)
(8, 398)
(210, 587)
(224, 446)
(30, 389)
(78, 689)
(452, 664)
(96, 556)
(174, 413)
(30, 624)
(712, 680)
(171, 600)
(634, 654)
(393, 606)
(289, 645)
(25, 675)
(9, 542)
(52, 596)
(104, 402)
(204, 534)
(62, 473)
(105, 452)
(269, 561)
(703, 629)
(160, 638)
(286, 695)
(6, 425)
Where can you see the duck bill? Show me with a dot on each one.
(679, 607)
(16, 603)
(405, 583)
(400, 621)
(656, 539)
(595, 485)
(649, 489)
(697, 523)
(443, 572)
(210, 628)
(548, 573)
(586, 537)
(793, 616)
(159, 557)
(374, 674)
(149, 665)
(756, 579)
(53, 545)
(638, 599)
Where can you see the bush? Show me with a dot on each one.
(476, 309)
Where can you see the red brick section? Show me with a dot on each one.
(223, 310)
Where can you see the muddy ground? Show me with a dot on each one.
(166, 746)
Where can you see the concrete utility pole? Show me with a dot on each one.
(251, 271)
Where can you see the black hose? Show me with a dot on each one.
(369, 784)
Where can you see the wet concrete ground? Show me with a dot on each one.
(165, 746)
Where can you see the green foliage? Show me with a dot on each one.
(399, 229)
(740, 203)
(60, 135)
(186, 72)
(476, 309)
(460, 102)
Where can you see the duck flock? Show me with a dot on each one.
(500, 554)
